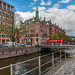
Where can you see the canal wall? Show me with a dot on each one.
(17, 51)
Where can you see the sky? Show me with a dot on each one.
(61, 12)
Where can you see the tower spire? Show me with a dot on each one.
(37, 12)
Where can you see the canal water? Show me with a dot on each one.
(22, 68)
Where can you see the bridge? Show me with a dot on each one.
(57, 46)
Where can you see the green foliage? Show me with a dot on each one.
(64, 37)
(55, 36)
(68, 38)
(36, 45)
(61, 36)
(13, 32)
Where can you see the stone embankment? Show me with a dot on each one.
(17, 51)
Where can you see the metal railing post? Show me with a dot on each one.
(11, 69)
(39, 65)
(60, 55)
(71, 52)
(65, 54)
(52, 60)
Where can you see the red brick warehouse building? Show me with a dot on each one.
(6, 18)
(39, 30)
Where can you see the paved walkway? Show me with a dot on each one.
(64, 68)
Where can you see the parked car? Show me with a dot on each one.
(18, 44)
(23, 44)
(9, 43)
(3, 45)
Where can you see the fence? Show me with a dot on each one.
(54, 61)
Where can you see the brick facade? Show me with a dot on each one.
(39, 30)
(7, 19)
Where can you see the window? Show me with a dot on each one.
(3, 35)
(3, 29)
(37, 34)
(4, 7)
(8, 13)
(0, 16)
(37, 30)
(11, 19)
(0, 22)
(7, 40)
(0, 34)
(37, 39)
(7, 35)
(7, 24)
(11, 24)
(4, 18)
(32, 30)
(3, 41)
(37, 26)
(8, 8)
(0, 28)
(0, 5)
(11, 14)
(0, 10)
(8, 19)
(4, 12)
(8, 30)
(3, 23)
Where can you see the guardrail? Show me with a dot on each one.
(54, 61)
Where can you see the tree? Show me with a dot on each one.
(61, 35)
(13, 31)
(68, 38)
(55, 36)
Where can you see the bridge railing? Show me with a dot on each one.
(54, 61)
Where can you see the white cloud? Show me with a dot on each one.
(49, 3)
(71, 7)
(56, 5)
(42, 2)
(64, 1)
(35, 0)
(64, 17)
(40, 8)
(31, 4)
(26, 15)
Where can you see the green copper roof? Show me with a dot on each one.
(37, 12)
(47, 23)
(33, 19)
(40, 19)
(55, 24)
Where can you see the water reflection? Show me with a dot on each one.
(21, 69)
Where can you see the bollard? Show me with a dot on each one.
(11, 69)
(39, 65)
(52, 60)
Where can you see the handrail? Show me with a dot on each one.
(4, 67)
(40, 65)
(25, 61)
(30, 71)
(45, 55)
